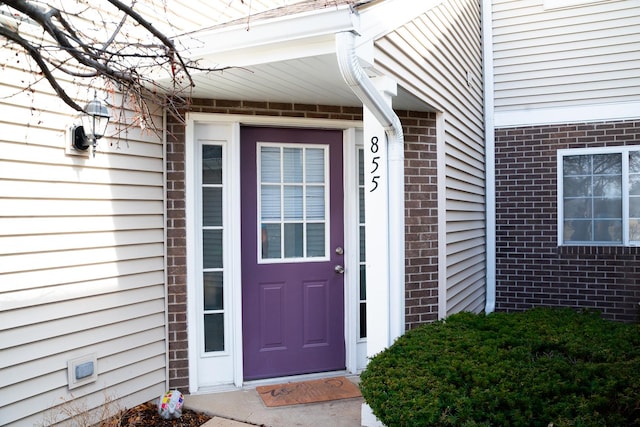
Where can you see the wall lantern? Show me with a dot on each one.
(94, 124)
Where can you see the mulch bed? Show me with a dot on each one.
(147, 415)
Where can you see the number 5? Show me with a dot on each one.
(375, 181)
(375, 162)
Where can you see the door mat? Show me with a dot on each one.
(322, 390)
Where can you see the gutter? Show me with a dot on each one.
(489, 144)
(364, 89)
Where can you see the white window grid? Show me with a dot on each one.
(327, 206)
(624, 153)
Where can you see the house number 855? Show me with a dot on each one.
(374, 162)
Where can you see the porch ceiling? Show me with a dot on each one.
(310, 80)
(291, 57)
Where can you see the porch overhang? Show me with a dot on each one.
(292, 58)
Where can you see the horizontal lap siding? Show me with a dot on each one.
(438, 57)
(565, 57)
(81, 260)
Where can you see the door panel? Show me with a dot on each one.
(292, 221)
(272, 322)
(316, 313)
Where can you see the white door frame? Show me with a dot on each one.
(229, 135)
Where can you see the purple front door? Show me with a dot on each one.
(292, 239)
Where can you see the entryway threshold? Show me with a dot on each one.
(242, 407)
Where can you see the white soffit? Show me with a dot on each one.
(314, 80)
(292, 58)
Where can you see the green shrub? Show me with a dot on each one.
(537, 368)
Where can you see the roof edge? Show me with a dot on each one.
(306, 25)
(379, 19)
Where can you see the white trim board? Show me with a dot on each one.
(574, 114)
(232, 177)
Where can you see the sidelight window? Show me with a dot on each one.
(213, 307)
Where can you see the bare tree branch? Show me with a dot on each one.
(67, 45)
(42, 65)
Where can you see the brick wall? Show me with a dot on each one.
(421, 218)
(421, 212)
(531, 269)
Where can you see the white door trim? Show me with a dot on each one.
(232, 233)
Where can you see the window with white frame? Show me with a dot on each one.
(599, 196)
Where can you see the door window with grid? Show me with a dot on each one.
(293, 202)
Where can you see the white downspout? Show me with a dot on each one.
(489, 144)
(365, 90)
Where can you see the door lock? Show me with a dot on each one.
(339, 269)
(339, 250)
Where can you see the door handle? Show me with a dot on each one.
(339, 269)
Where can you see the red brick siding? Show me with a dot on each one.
(421, 218)
(421, 213)
(531, 269)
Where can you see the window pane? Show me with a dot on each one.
(315, 203)
(362, 245)
(634, 162)
(607, 186)
(213, 291)
(293, 202)
(363, 282)
(315, 240)
(271, 241)
(577, 231)
(211, 207)
(634, 207)
(292, 165)
(212, 248)
(576, 165)
(634, 229)
(211, 164)
(363, 320)
(577, 186)
(270, 203)
(607, 208)
(607, 164)
(270, 164)
(577, 208)
(608, 231)
(361, 204)
(634, 185)
(214, 332)
(315, 165)
(293, 241)
(360, 167)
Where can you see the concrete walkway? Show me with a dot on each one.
(241, 408)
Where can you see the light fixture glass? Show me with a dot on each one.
(95, 119)
(94, 125)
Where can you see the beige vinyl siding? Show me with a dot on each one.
(547, 58)
(81, 259)
(438, 56)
